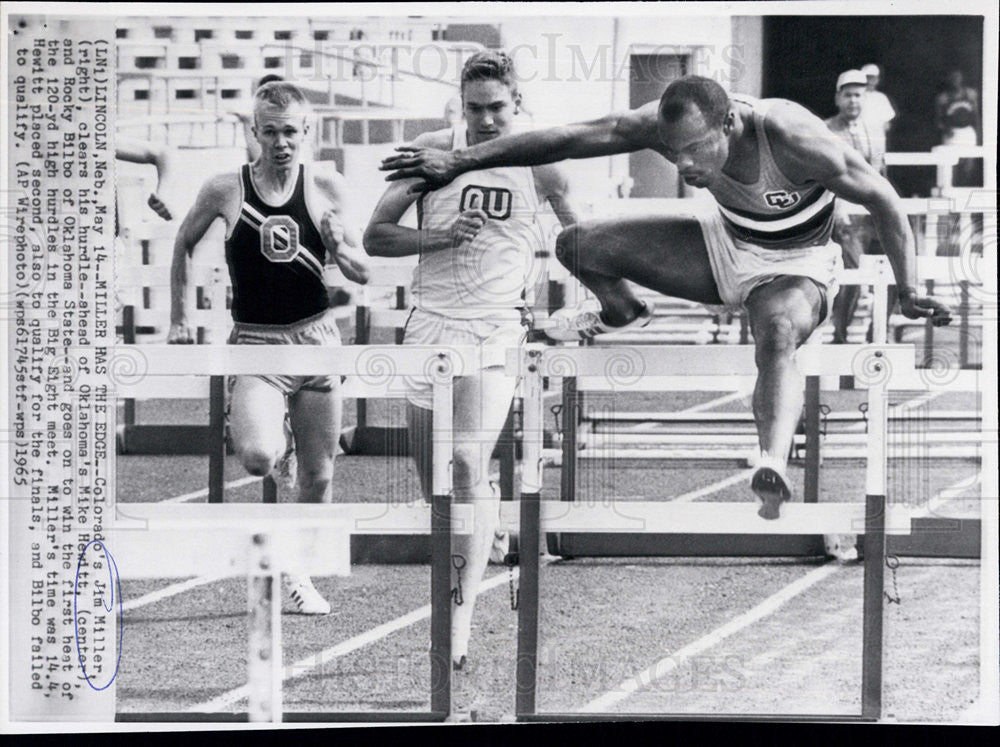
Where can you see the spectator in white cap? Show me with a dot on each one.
(878, 108)
(852, 122)
(855, 233)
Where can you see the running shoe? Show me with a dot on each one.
(501, 539)
(304, 596)
(842, 547)
(771, 486)
(500, 547)
(585, 325)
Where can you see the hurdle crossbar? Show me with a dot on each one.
(136, 520)
(625, 364)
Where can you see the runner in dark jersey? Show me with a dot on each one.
(285, 220)
(774, 172)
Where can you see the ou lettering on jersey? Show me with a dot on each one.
(496, 202)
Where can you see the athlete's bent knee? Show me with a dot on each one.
(777, 337)
(257, 461)
(313, 485)
(568, 246)
(466, 468)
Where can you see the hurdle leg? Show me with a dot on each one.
(269, 490)
(441, 605)
(362, 331)
(128, 338)
(527, 607)
(531, 480)
(507, 447)
(264, 661)
(871, 637)
(813, 446)
(874, 548)
(570, 452)
(441, 544)
(216, 437)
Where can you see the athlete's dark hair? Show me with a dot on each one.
(490, 65)
(269, 78)
(705, 94)
(279, 94)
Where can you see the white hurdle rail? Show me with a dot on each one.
(879, 368)
(262, 540)
(944, 157)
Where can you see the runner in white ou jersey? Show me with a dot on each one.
(476, 238)
(486, 276)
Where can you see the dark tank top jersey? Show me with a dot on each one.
(773, 212)
(276, 258)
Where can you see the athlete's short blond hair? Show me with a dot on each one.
(279, 95)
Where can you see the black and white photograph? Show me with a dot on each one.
(498, 363)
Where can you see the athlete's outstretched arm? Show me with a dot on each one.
(616, 133)
(209, 205)
(337, 227)
(807, 154)
(384, 237)
(140, 151)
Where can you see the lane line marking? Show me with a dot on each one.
(714, 487)
(671, 662)
(248, 480)
(713, 403)
(303, 666)
(169, 591)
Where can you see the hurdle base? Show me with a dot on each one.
(371, 440)
(930, 538)
(682, 545)
(398, 549)
(172, 440)
(935, 537)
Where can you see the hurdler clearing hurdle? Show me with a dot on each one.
(775, 170)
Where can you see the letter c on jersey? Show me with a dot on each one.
(279, 238)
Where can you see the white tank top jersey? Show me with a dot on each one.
(488, 277)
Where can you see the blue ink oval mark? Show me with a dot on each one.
(114, 585)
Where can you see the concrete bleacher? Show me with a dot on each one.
(184, 65)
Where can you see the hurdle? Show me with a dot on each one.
(627, 436)
(960, 540)
(181, 540)
(877, 367)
